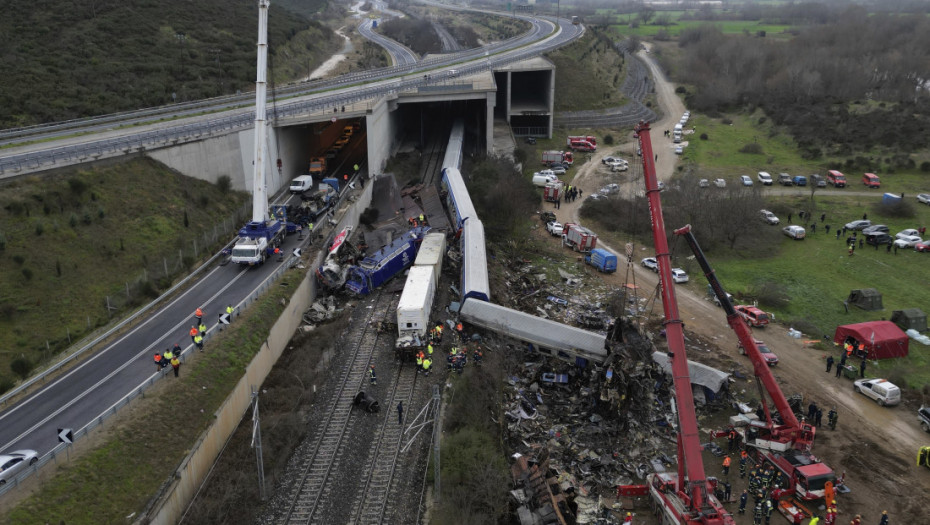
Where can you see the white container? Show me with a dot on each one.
(416, 301)
(432, 251)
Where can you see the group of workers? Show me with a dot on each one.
(417, 221)
(198, 331)
(171, 356)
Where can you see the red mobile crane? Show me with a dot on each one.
(785, 444)
(688, 498)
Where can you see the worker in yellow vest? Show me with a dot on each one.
(426, 364)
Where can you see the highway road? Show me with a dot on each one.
(400, 55)
(88, 389)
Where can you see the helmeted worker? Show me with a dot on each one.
(422, 219)
(419, 362)
(884, 520)
(757, 513)
(743, 498)
(193, 332)
(169, 355)
(372, 378)
(158, 360)
(743, 458)
(832, 417)
(198, 340)
(628, 519)
(203, 329)
(726, 466)
(429, 350)
(176, 364)
(478, 355)
(769, 507)
(731, 439)
(198, 313)
(426, 364)
(229, 310)
(815, 520)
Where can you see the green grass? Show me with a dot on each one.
(818, 274)
(590, 73)
(726, 27)
(120, 476)
(94, 239)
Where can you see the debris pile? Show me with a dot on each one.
(319, 312)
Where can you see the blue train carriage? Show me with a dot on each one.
(453, 157)
(458, 201)
(474, 262)
(380, 267)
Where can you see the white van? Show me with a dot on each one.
(301, 184)
(541, 178)
(882, 391)
(678, 128)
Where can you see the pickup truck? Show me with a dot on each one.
(554, 228)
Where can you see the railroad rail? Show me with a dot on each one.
(329, 448)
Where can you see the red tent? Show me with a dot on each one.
(882, 339)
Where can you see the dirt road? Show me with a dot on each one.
(875, 446)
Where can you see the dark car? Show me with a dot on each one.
(530, 140)
(877, 239)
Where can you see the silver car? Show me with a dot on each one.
(13, 463)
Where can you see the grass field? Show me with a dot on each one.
(590, 74)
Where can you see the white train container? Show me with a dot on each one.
(432, 251)
(416, 301)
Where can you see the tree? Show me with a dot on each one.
(646, 14)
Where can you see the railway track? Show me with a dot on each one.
(330, 448)
(433, 153)
(371, 503)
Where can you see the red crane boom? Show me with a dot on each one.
(694, 502)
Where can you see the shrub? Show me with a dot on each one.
(21, 367)
(753, 148)
(771, 294)
(16, 208)
(703, 136)
(901, 209)
(925, 166)
(19, 259)
(27, 273)
(762, 120)
(100, 213)
(681, 90)
(520, 155)
(224, 184)
(187, 221)
(87, 218)
(6, 384)
(726, 121)
(608, 139)
(203, 200)
(58, 267)
(78, 186)
(73, 220)
(2, 242)
(40, 228)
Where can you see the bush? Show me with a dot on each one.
(771, 294)
(21, 367)
(19, 259)
(78, 186)
(608, 139)
(2, 242)
(6, 384)
(520, 155)
(703, 136)
(224, 184)
(753, 148)
(925, 166)
(762, 120)
(73, 220)
(40, 228)
(27, 273)
(901, 209)
(726, 121)
(681, 90)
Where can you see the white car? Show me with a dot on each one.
(765, 178)
(12, 463)
(619, 167)
(910, 232)
(703, 183)
(882, 391)
(769, 217)
(609, 159)
(679, 276)
(554, 228)
(908, 241)
(679, 150)
(610, 189)
(923, 198)
(745, 180)
(795, 232)
(558, 170)
(650, 263)
(720, 183)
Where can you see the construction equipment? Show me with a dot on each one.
(262, 235)
(317, 166)
(685, 498)
(782, 441)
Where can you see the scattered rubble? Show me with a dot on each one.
(320, 311)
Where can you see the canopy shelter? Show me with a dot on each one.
(879, 339)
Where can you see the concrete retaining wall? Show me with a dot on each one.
(194, 468)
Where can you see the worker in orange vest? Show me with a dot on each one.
(193, 332)
(726, 465)
(158, 359)
(198, 314)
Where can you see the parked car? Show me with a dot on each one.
(770, 358)
(554, 228)
(795, 232)
(908, 241)
(341, 141)
(609, 159)
(871, 180)
(714, 298)
(650, 263)
(923, 198)
(703, 183)
(858, 225)
(799, 180)
(769, 217)
(752, 315)
(745, 180)
(12, 463)
(610, 189)
(878, 239)
(679, 276)
(818, 181)
(619, 166)
(875, 228)
(679, 150)
(923, 246)
(530, 140)
(764, 178)
(331, 153)
(720, 183)
(906, 233)
(784, 179)
(884, 392)
(558, 169)
(595, 197)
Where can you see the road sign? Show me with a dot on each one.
(65, 435)
(224, 318)
(296, 252)
(333, 120)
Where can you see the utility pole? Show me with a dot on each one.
(437, 423)
(257, 444)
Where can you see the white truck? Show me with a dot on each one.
(432, 250)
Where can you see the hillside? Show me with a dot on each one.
(75, 241)
(66, 60)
